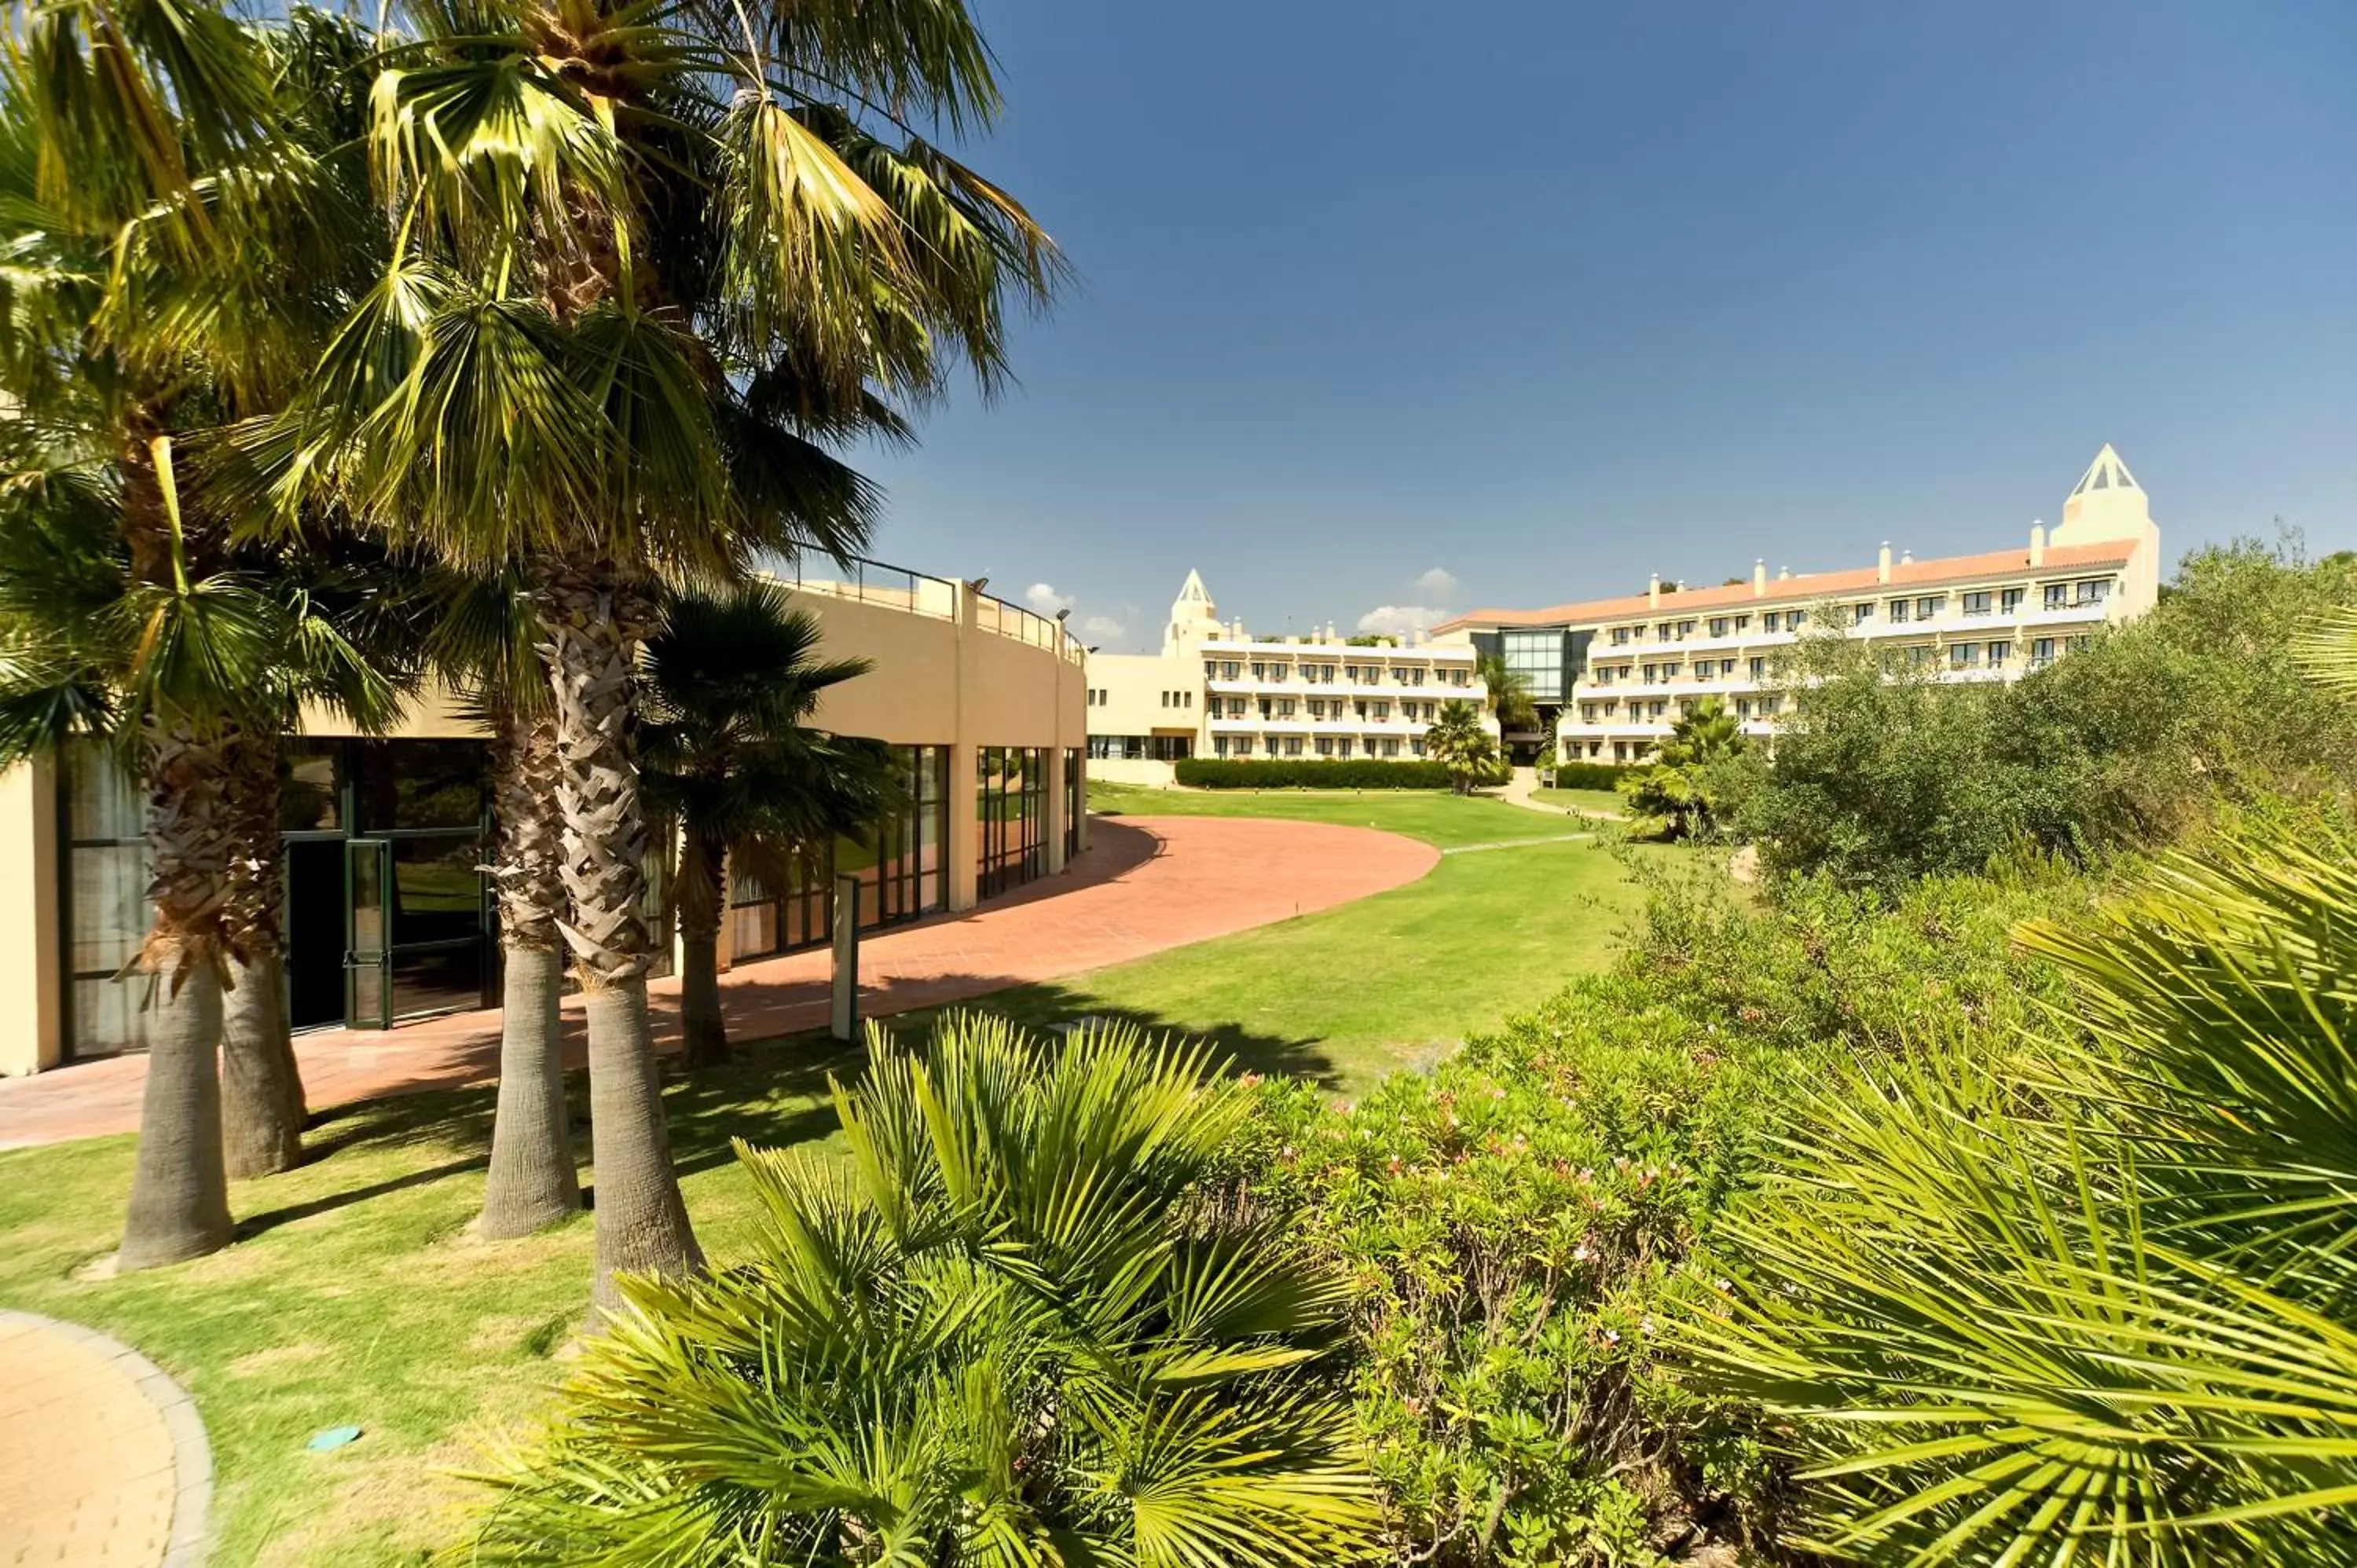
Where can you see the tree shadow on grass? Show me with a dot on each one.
(1049, 1007)
(773, 1094)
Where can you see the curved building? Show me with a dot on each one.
(388, 915)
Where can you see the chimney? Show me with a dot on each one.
(1784, 573)
(2037, 543)
(1653, 592)
(1882, 564)
(1330, 636)
(1758, 578)
(1907, 558)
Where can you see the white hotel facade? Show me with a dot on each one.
(1613, 676)
(1217, 691)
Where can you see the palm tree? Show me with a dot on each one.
(645, 256)
(1509, 691)
(167, 255)
(1676, 793)
(1022, 1323)
(483, 645)
(2099, 1303)
(1458, 740)
(731, 681)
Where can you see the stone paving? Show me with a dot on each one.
(103, 1460)
(1144, 886)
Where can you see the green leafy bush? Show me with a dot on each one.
(1518, 1224)
(1883, 775)
(1019, 1322)
(1587, 775)
(1309, 773)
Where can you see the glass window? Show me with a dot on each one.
(421, 784)
(1898, 611)
(311, 789)
(1998, 652)
(1979, 603)
(1930, 605)
(2057, 595)
(2010, 600)
(1773, 620)
(437, 894)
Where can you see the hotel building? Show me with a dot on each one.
(388, 915)
(1217, 691)
(1617, 673)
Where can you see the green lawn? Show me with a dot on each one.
(1606, 802)
(1349, 994)
(355, 1296)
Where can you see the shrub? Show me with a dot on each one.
(1013, 1323)
(2103, 1295)
(1518, 1223)
(1587, 775)
(1309, 773)
(1881, 776)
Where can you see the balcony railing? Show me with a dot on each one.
(862, 581)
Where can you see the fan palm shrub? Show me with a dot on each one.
(2093, 1306)
(646, 256)
(1024, 1321)
(732, 681)
(172, 248)
(1679, 794)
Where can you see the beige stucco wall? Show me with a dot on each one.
(1134, 687)
(31, 967)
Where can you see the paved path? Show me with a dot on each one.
(1145, 885)
(1522, 789)
(103, 1460)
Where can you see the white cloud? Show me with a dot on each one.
(1100, 627)
(1398, 620)
(1440, 583)
(1043, 597)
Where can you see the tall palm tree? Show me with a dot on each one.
(484, 646)
(645, 255)
(1509, 693)
(731, 682)
(1020, 1324)
(168, 255)
(1458, 740)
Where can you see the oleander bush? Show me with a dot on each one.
(1519, 1224)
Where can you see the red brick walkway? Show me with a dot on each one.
(1146, 884)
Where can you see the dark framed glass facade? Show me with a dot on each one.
(386, 916)
(903, 873)
(1075, 803)
(1010, 817)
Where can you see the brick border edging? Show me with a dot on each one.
(192, 1455)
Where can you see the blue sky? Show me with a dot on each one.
(1510, 303)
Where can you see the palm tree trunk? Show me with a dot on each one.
(180, 1191)
(531, 1184)
(262, 1107)
(591, 623)
(703, 861)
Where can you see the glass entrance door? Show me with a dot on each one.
(368, 980)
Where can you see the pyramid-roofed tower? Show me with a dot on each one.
(2107, 503)
(1194, 619)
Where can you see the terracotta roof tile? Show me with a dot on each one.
(1808, 587)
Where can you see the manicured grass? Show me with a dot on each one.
(1435, 816)
(1606, 802)
(355, 1296)
(1348, 994)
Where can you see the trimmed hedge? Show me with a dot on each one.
(1309, 773)
(1588, 775)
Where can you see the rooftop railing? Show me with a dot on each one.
(867, 581)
